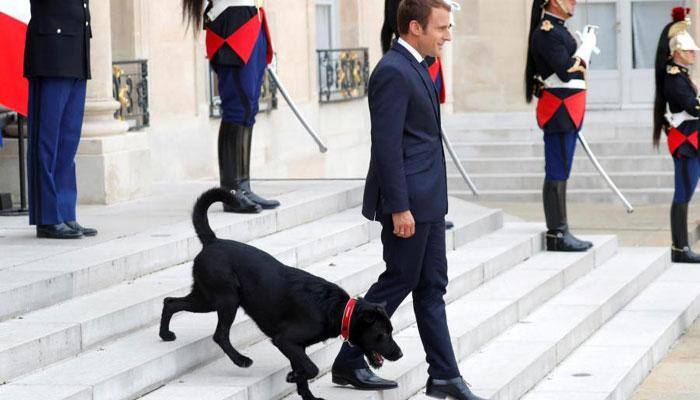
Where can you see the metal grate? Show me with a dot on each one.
(343, 74)
(130, 89)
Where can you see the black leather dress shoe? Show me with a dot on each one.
(77, 227)
(449, 225)
(58, 231)
(363, 379)
(456, 389)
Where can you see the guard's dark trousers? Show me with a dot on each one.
(56, 108)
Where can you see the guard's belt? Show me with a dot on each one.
(676, 119)
(553, 82)
(219, 6)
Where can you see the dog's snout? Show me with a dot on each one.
(395, 354)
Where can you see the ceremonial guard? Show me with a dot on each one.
(57, 65)
(556, 74)
(676, 112)
(239, 48)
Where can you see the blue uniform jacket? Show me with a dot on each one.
(682, 95)
(407, 165)
(553, 48)
(58, 39)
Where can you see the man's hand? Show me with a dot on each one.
(404, 224)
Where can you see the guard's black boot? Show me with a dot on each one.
(680, 251)
(231, 167)
(245, 183)
(455, 388)
(558, 236)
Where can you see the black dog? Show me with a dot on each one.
(292, 307)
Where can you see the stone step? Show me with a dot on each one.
(478, 261)
(511, 364)
(534, 134)
(509, 126)
(617, 358)
(579, 180)
(513, 149)
(139, 361)
(63, 330)
(60, 277)
(634, 196)
(484, 314)
(498, 165)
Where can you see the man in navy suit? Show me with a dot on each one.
(406, 191)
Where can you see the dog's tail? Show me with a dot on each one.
(199, 213)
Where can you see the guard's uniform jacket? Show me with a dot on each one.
(58, 37)
(562, 95)
(435, 70)
(233, 34)
(683, 110)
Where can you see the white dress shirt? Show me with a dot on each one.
(411, 50)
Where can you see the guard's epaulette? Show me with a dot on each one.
(546, 25)
(673, 70)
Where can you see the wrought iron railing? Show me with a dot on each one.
(130, 89)
(343, 74)
(268, 95)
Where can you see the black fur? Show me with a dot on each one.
(292, 307)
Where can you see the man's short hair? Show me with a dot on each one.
(417, 10)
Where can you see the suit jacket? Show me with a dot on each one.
(58, 39)
(407, 165)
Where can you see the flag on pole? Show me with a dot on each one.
(14, 88)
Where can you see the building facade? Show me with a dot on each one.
(152, 72)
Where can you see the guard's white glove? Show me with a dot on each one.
(589, 43)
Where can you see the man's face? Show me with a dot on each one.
(687, 57)
(570, 4)
(432, 39)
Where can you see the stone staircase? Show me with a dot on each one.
(504, 155)
(524, 322)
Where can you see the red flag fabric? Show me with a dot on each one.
(14, 88)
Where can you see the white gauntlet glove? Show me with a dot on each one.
(589, 43)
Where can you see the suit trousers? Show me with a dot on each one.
(55, 120)
(416, 265)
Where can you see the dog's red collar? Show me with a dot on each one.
(347, 316)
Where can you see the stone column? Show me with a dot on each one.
(113, 164)
(100, 105)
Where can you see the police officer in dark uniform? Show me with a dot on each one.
(555, 73)
(57, 64)
(239, 48)
(676, 112)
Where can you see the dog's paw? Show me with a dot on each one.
(243, 362)
(311, 371)
(168, 336)
(292, 377)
